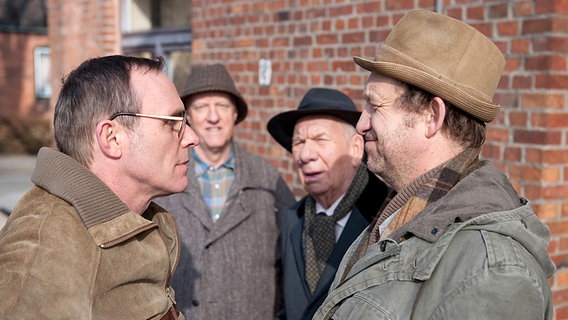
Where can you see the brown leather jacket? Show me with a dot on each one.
(72, 250)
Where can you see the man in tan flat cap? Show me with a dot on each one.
(453, 240)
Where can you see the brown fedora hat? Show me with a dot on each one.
(445, 57)
(214, 77)
(322, 101)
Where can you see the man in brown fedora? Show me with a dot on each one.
(454, 240)
(228, 216)
(343, 196)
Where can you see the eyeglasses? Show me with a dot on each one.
(182, 119)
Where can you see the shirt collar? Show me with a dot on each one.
(202, 167)
(329, 211)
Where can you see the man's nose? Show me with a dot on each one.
(189, 139)
(364, 123)
(307, 152)
(213, 114)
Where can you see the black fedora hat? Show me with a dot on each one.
(328, 102)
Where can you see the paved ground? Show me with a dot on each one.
(15, 172)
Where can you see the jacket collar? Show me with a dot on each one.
(67, 179)
(469, 198)
(97, 206)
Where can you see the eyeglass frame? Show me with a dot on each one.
(152, 116)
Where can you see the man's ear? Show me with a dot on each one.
(357, 146)
(435, 115)
(109, 138)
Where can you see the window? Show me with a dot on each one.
(146, 15)
(41, 72)
(159, 28)
(23, 16)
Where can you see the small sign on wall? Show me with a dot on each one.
(264, 72)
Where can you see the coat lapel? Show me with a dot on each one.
(297, 249)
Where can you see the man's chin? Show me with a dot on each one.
(315, 188)
(180, 187)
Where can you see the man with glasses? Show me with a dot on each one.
(178, 122)
(87, 242)
(228, 216)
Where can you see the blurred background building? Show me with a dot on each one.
(25, 77)
(277, 49)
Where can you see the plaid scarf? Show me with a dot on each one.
(318, 234)
(415, 197)
(423, 191)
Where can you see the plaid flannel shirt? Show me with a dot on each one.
(215, 183)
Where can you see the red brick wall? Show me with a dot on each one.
(529, 139)
(312, 44)
(79, 30)
(17, 83)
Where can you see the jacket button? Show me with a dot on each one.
(434, 231)
(195, 302)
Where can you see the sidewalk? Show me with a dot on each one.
(15, 173)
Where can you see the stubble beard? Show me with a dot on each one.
(384, 169)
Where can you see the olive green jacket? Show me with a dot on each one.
(72, 250)
(493, 265)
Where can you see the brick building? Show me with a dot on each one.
(18, 96)
(23, 37)
(311, 43)
(24, 75)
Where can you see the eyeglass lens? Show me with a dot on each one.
(182, 125)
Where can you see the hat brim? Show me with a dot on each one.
(435, 84)
(281, 126)
(242, 108)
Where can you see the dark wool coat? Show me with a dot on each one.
(71, 249)
(299, 302)
(229, 269)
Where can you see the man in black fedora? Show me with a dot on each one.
(343, 196)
